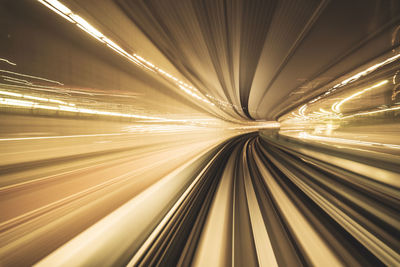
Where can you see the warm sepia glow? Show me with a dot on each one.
(199, 133)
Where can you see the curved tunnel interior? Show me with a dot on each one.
(199, 133)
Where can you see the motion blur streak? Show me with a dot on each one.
(199, 133)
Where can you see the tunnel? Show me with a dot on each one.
(199, 133)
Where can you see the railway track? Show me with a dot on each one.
(258, 201)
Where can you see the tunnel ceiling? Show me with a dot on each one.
(266, 57)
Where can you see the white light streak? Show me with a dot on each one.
(59, 12)
(336, 107)
(357, 76)
(8, 61)
(58, 137)
(30, 76)
(16, 80)
(324, 111)
(57, 101)
(71, 107)
(62, 8)
(10, 94)
(36, 98)
(302, 109)
(371, 112)
(39, 106)
(84, 25)
(15, 102)
(304, 135)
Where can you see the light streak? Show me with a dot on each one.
(371, 112)
(59, 6)
(85, 30)
(30, 76)
(336, 108)
(34, 87)
(71, 107)
(369, 70)
(84, 25)
(302, 109)
(67, 108)
(36, 98)
(45, 107)
(304, 135)
(324, 111)
(57, 137)
(10, 94)
(57, 101)
(53, 6)
(17, 81)
(8, 61)
(145, 61)
(357, 76)
(15, 102)
(262, 126)
(114, 45)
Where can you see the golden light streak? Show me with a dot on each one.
(57, 101)
(32, 87)
(93, 35)
(84, 25)
(324, 111)
(304, 135)
(30, 76)
(265, 125)
(302, 109)
(15, 80)
(15, 102)
(62, 8)
(59, 12)
(10, 94)
(357, 76)
(45, 107)
(337, 106)
(371, 112)
(8, 61)
(36, 98)
(57, 137)
(368, 70)
(145, 61)
(71, 107)
(334, 106)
